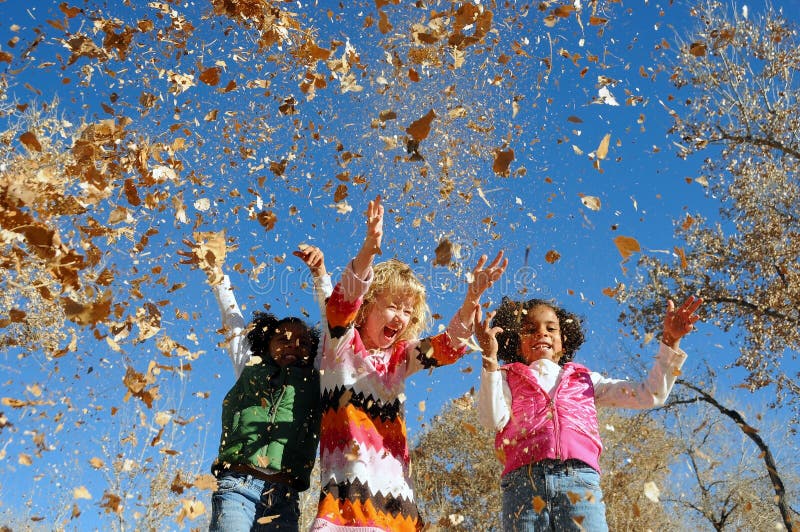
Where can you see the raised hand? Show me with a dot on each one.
(678, 322)
(372, 239)
(313, 257)
(208, 254)
(482, 278)
(487, 339)
(374, 235)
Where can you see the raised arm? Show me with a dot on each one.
(654, 390)
(313, 257)
(208, 254)
(362, 263)
(494, 397)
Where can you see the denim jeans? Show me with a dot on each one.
(241, 500)
(553, 495)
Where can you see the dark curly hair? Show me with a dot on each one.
(510, 315)
(265, 325)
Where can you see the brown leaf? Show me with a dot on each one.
(267, 219)
(30, 141)
(552, 256)
(502, 161)
(563, 11)
(697, 49)
(211, 76)
(444, 253)
(419, 129)
(627, 246)
(682, 255)
(88, 313)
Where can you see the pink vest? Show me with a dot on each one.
(560, 428)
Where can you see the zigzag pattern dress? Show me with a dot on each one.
(364, 456)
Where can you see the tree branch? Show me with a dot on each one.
(752, 433)
(758, 141)
(752, 306)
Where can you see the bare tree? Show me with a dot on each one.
(637, 458)
(456, 473)
(741, 112)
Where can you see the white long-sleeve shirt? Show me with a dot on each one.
(494, 396)
(234, 323)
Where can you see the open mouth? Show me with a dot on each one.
(390, 333)
(541, 346)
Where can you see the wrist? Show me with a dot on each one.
(669, 339)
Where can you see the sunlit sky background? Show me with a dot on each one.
(501, 97)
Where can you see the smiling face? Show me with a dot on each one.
(291, 344)
(540, 335)
(386, 319)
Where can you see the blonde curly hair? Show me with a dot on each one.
(397, 277)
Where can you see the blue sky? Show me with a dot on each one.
(501, 97)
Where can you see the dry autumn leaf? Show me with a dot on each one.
(81, 493)
(502, 161)
(552, 256)
(30, 141)
(419, 129)
(591, 202)
(602, 150)
(627, 246)
(444, 253)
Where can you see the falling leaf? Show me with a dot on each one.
(202, 204)
(191, 509)
(96, 463)
(591, 202)
(602, 149)
(267, 219)
(88, 313)
(267, 519)
(211, 76)
(502, 161)
(697, 49)
(206, 482)
(539, 504)
(444, 253)
(455, 519)
(682, 256)
(651, 491)
(552, 256)
(81, 493)
(30, 141)
(419, 129)
(627, 246)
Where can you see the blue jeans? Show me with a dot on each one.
(241, 500)
(553, 495)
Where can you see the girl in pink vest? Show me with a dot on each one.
(543, 409)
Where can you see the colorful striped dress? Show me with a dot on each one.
(364, 457)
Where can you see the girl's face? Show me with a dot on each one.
(386, 320)
(291, 345)
(540, 335)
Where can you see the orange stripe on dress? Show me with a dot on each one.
(354, 513)
(342, 425)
